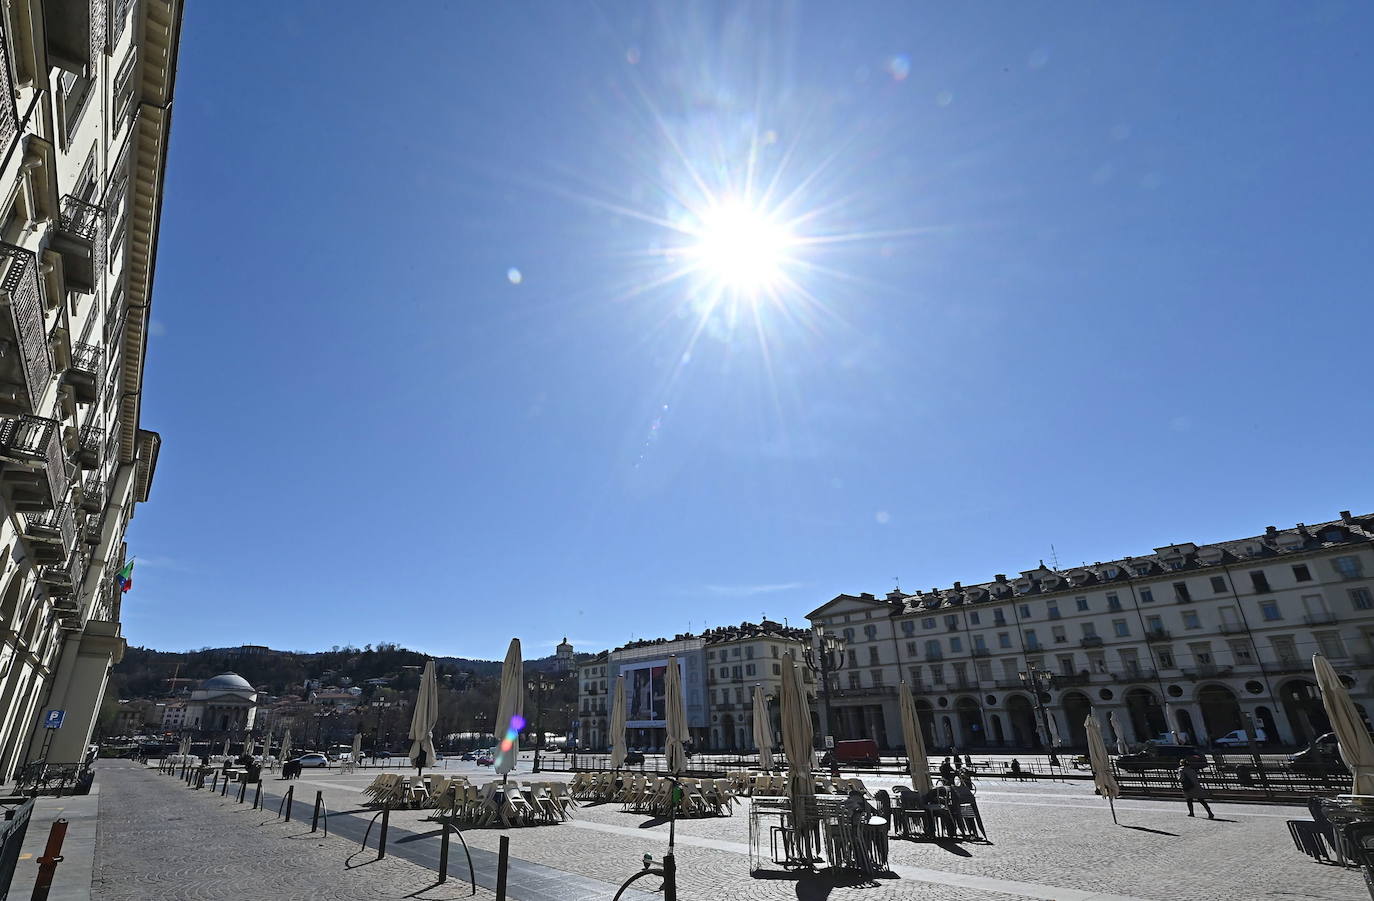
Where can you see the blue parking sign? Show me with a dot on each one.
(54, 719)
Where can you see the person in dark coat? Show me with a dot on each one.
(947, 772)
(1191, 783)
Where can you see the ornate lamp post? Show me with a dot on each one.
(1038, 681)
(537, 685)
(825, 656)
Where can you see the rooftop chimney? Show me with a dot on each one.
(1345, 516)
(957, 586)
(1269, 530)
(1000, 577)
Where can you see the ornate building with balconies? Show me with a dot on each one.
(85, 109)
(1194, 639)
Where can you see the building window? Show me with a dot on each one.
(1089, 630)
(1191, 620)
(1025, 611)
(1218, 584)
(1181, 592)
(1121, 628)
(870, 632)
(873, 655)
(928, 623)
(848, 634)
(937, 674)
(1259, 581)
(974, 619)
(1360, 599)
(916, 676)
(777, 669)
(1348, 567)
(1154, 623)
(749, 669)
(933, 649)
(725, 672)
(956, 644)
(1114, 602)
(911, 649)
(735, 672)
(999, 617)
(909, 627)
(979, 644)
(1031, 640)
(734, 652)
(1301, 573)
(1082, 604)
(1241, 652)
(1202, 653)
(1270, 611)
(1004, 639)
(1059, 635)
(877, 676)
(1147, 596)
(1330, 644)
(749, 652)
(951, 623)
(775, 650)
(853, 680)
(853, 657)
(1166, 657)
(710, 655)
(1053, 609)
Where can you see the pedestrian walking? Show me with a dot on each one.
(968, 761)
(1192, 787)
(947, 772)
(1016, 769)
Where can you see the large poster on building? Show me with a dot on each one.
(644, 685)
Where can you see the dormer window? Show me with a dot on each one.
(1142, 569)
(1109, 572)
(1333, 535)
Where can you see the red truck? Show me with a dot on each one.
(857, 752)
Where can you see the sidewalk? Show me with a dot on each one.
(72, 880)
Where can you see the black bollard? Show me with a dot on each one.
(257, 796)
(443, 854)
(214, 782)
(290, 801)
(669, 877)
(381, 838)
(502, 862)
(315, 817)
(225, 789)
(243, 789)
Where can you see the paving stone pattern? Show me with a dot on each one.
(1054, 840)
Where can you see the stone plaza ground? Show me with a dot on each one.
(157, 838)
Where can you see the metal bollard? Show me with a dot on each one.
(288, 801)
(315, 817)
(257, 796)
(443, 854)
(669, 877)
(47, 864)
(502, 862)
(243, 790)
(381, 838)
(223, 792)
(214, 781)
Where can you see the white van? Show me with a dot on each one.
(1238, 739)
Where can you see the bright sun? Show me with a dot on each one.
(741, 249)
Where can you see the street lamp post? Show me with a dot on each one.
(538, 685)
(1038, 681)
(825, 656)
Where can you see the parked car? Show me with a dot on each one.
(312, 760)
(379, 755)
(1157, 756)
(1239, 739)
(469, 756)
(1323, 755)
(485, 760)
(634, 758)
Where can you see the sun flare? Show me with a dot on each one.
(741, 249)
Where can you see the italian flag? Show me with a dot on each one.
(125, 577)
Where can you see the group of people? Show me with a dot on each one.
(960, 772)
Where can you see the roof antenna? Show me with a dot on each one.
(1054, 558)
(897, 584)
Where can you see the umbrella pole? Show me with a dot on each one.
(1112, 805)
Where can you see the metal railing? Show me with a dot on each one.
(119, 18)
(1236, 777)
(9, 113)
(86, 358)
(20, 284)
(1319, 619)
(44, 777)
(59, 522)
(80, 217)
(1158, 635)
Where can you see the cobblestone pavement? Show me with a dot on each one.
(1050, 841)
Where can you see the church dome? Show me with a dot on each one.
(226, 682)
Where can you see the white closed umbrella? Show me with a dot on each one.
(763, 729)
(1357, 750)
(226, 746)
(1121, 746)
(618, 724)
(796, 743)
(1054, 731)
(510, 709)
(357, 747)
(1103, 777)
(285, 751)
(423, 719)
(674, 719)
(917, 761)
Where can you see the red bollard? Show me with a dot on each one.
(47, 864)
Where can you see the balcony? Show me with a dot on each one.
(91, 446)
(91, 529)
(964, 685)
(25, 361)
(80, 239)
(34, 467)
(1231, 628)
(75, 31)
(93, 495)
(84, 374)
(1206, 671)
(1069, 679)
(1319, 619)
(725, 705)
(1157, 635)
(982, 652)
(52, 534)
(872, 691)
(1091, 641)
(1134, 674)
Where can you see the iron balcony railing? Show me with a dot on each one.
(59, 523)
(119, 18)
(20, 286)
(9, 113)
(91, 529)
(1157, 635)
(1319, 619)
(87, 357)
(870, 691)
(93, 494)
(91, 444)
(37, 441)
(1134, 674)
(1091, 641)
(81, 217)
(1230, 628)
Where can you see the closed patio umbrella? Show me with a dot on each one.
(226, 746)
(763, 729)
(1121, 746)
(674, 719)
(1357, 750)
(1103, 777)
(917, 761)
(618, 724)
(796, 743)
(510, 709)
(423, 719)
(357, 747)
(1054, 731)
(285, 750)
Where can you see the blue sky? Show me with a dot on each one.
(430, 365)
